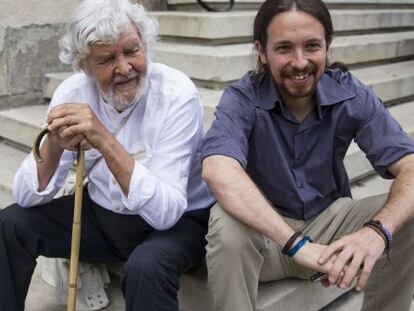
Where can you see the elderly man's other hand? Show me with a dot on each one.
(355, 256)
(74, 123)
(309, 254)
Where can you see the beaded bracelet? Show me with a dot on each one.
(298, 245)
(385, 229)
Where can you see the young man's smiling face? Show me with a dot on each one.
(120, 68)
(295, 53)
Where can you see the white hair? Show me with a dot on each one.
(103, 21)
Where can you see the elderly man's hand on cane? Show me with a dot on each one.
(76, 225)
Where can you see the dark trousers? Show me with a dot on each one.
(154, 259)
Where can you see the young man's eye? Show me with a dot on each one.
(283, 48)
(313, 46)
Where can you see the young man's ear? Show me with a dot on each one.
(328, 45)
(261, 52)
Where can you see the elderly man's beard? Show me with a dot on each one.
(119, 102)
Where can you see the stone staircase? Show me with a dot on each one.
(376, 38)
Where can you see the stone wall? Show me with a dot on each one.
(26, 53)
(29, 47)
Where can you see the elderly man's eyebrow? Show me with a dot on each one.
(134, 44)
(102, 56)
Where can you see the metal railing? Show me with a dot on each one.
(206, 7)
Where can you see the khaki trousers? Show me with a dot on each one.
(238, 257)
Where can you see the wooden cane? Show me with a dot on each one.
(76, 231)
(76, 225)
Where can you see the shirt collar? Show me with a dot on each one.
(267, 93)
(328, 92)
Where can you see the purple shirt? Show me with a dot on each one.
(299, 166)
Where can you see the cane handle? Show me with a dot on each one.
(36, 145)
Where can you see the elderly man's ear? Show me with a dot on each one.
(84, 66)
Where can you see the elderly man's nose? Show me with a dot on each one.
(122, 67)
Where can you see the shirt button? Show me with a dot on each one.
(117, 209)
(114, 182)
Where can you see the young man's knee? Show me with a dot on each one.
(229, 237)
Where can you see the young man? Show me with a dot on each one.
(145, 202)
(274, 159)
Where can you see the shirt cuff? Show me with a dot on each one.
(141, 188)
(30, 171)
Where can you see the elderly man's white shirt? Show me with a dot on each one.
(163, 130)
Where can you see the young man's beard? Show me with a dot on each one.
(300, 91)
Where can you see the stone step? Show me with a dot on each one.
(351, 301)
(390, 82)
(255, 4)
(6, 198)
(213, 27)
(210, 64)
(370, 186)
(11, 159)
(348, 302)
(21, 125)
(359, 49)
(217, 65)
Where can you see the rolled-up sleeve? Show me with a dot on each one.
(26, 183)
(158, 187)
(230, 131)
(380, 136)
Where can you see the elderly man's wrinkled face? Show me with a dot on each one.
(120, 68)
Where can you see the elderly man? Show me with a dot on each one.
(145, 201)
(274, 158)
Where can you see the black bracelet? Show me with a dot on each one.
(377, 227)
(289, 243)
